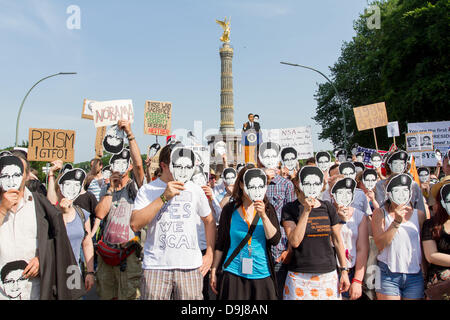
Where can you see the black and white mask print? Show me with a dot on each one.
(220, 148)
(106, 172)
(369, 178)
(229, 176)
(199, 177)
(376, 160)
(311, 181)
(323, 160)
(154, 148)
(71, 183)
(114, 139)
(14, 285)
(343, 191)
(269, 154)
(359, 167)
(438, 155)
(182, 164)
(360, 156)
(341, 155)
(240, 166)
(67, 167)
(424, 174)
(355, 148)
(11, 173)
(397, 161)
(399, 189)
(289, 158)
(120, 162)
(255, 184)
(348, 169)
(445, 197)
(5, 153)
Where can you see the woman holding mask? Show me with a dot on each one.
(396, 230)
(247, 263)
(355, 234)
(309, 223)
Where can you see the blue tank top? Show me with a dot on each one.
(238, 231)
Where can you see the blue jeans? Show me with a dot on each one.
(405, 285)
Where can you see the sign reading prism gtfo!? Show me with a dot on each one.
(107, 113)
(51, 144)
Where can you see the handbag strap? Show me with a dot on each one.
(243, 242)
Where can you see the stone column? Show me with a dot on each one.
(226, 90)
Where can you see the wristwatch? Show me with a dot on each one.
(109, 193)
(343, 269)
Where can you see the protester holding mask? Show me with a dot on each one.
(309, 223)
(396, 230)
(354, 232)
(248, 228)
(436, 247)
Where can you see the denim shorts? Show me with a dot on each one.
(405, 285)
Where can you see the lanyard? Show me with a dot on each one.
(248, 223)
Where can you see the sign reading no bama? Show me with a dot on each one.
(51, 144)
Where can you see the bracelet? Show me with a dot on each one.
(398, 222)
(90, 272)
(357, 281)
(163, 198)
(130, 139)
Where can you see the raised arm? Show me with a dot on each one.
(138, 166)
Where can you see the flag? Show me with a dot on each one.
(413, 170)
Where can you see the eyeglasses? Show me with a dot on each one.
(183, 167)
(315, 184)
(15, 176)
(12, 281)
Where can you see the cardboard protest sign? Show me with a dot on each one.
(371, 116)
(299, 138)
(107, 113)
(87, 112)
(101, 131)
(440, 140)
(419, 141)
(157, 118)
(201, 170)
(51, 144)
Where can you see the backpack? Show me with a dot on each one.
(83, 219)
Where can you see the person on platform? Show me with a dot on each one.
(251, 124)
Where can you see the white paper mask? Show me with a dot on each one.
(120, 162)
(114, 139)
(154, 148)
(369, 178)
(199, 177)
(348, 170)
(397, 161)
(424, 174)
(220, 148)
(343, 191)
(255, 184)
(289, 158)
(445, 197)
(438, 155)
(11, 173)
(341, 155)
(375, 160)
(182, 164)
(311, 181)
(15, 286)
(323, 160)
(229, 175)
(399, 189)
(71, 183)
(106, 172)
(269, 154)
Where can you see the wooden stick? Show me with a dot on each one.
(375, 136)
(394, 142)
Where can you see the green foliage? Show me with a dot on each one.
(405, 64)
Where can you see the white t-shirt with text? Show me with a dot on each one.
(172, 236)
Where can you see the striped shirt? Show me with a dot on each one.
(95, 189)
(280, 191)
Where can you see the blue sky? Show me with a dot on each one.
(166, 51)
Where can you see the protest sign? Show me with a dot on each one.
(299, 138)
(441, 140)
(157, 118)
(101, 131)
(202, 164)
(51, 144)
(87, 109)
(392, 129)
(367, 153)
(107, 113)
(419, 141)
(371, 116)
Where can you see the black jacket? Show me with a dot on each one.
(223, 238)
(58, 269)
(256, 126)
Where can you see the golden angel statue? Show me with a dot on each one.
(226, 29)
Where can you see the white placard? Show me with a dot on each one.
(299, 138)
(107, 113)
(441, 140)
(392, 129)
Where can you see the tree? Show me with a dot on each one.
(405, 63)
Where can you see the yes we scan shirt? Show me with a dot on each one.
(172, 238)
